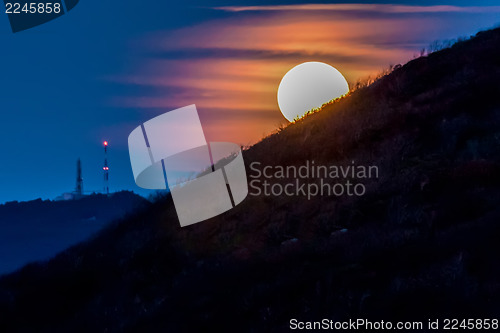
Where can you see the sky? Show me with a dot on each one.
(106, 67)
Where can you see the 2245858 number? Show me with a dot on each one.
(471, 324)
(33, 8)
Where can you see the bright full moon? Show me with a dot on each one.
(308, 86)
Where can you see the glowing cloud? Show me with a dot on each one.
(231, 67)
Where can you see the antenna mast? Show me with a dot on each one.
(106, 168)
(79, 179)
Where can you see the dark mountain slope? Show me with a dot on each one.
(421, 243)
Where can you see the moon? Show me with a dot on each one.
(308, 86)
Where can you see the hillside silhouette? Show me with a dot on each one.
(422, 243)
(39, 229)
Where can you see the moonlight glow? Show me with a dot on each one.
(308, 86)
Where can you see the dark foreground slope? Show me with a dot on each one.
(422, 243)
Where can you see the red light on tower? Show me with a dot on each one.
(105, 143)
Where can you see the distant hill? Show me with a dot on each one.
(421, 243)
(37, 229)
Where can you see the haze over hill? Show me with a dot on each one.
(421, 243)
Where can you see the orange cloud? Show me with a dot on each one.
(236, 63)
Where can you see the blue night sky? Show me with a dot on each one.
(104, 68)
